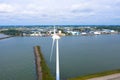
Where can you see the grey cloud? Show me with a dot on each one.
(82, 11)
(44, 15)
(4, 12)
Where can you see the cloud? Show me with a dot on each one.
(6, 8)
(82, 11)
(62, 10)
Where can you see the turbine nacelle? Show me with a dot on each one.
(55, 36)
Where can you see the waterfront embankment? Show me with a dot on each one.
(107, 75)
(5, 37)
(37, 62)
(42, 70)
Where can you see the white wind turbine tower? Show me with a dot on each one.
(56, 38)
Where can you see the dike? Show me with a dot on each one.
(42, 69)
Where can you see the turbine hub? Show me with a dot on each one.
(55, 36)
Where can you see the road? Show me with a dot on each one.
(109, 77)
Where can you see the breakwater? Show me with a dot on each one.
(5, 37)
(37, 62)
(42, 70)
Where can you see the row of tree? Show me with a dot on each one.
(116, 28)
(12, 32)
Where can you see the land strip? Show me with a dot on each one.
(5, 37)
(37, 62)
(108, 75)
(43, 72)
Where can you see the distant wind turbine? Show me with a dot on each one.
(56, 38)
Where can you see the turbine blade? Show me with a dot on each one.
(54, 30)
(52, 49)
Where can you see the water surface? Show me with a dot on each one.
(79, 55)
(3, 35)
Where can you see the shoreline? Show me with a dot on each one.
(108, 77)
(5, 37)
(98, 76)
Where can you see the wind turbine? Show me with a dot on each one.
(56, 38)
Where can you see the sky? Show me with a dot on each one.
(59, 12)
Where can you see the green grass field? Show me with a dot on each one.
(96, 75)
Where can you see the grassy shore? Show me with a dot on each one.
(46, 75)
(96, 75)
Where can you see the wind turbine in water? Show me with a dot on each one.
(56, 38)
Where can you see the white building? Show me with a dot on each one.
(73, 32)
(83, 33)
(36, 34)
(97, 32)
